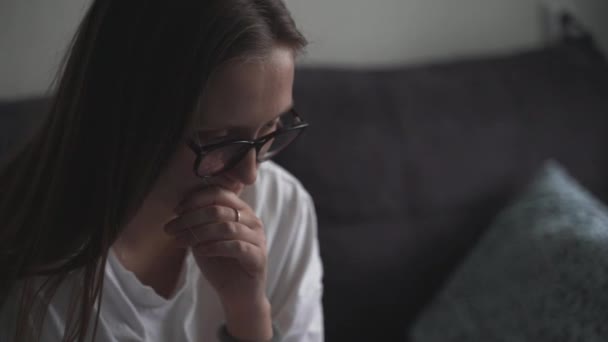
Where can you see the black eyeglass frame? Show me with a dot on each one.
(202, 151)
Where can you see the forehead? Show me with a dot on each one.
(248, 92)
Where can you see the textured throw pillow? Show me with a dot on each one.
(540, 273)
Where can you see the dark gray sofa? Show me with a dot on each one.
(408, 166)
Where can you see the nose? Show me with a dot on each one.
(246, 171)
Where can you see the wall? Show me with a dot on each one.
(363, 32)
(594, 14)
(34, 33)
(33, 37)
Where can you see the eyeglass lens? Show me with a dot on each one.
(220, 159)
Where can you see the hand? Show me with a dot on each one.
(231, 255)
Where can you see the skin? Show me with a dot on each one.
(242, 101)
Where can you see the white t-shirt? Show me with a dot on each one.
(131, 311)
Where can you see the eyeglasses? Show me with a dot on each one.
(215, 158)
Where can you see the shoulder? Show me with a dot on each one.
(276, 186)
(290, 222)
(279, 200)
(54, 298)
(272, 174)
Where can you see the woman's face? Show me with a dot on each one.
(243, 100)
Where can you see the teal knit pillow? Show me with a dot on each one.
(540, 273)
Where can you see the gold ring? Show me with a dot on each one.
(237, 214)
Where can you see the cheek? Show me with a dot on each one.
(179, 176)
(181, 167)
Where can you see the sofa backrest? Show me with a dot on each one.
(408, 166)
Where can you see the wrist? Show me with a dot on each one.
(224, 336)
(250, 321)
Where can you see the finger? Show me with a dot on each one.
(223, 231)
(251, 257)
(210, 196)
(212, 214)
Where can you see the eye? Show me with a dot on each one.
(272, 125)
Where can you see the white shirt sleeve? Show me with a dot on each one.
(297, 299)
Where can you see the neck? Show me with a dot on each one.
(144, 237)
(146, 250)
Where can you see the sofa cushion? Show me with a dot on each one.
(539, 273)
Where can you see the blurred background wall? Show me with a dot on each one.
(35, 33)
(594, 14)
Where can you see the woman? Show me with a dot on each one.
(139, 210)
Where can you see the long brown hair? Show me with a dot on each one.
(127, 93)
